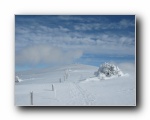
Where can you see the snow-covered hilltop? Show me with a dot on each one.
(76, 85)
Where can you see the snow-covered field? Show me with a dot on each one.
(75, 85)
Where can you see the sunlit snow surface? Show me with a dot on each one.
(76, 85)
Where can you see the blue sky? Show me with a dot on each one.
(50, 40)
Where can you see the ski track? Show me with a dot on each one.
(79, 96)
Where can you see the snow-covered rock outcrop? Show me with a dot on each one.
(108, 70)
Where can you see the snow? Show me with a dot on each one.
(107, 71)
(75, 85)
(17, 79)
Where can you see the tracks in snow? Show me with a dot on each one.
(79, 96)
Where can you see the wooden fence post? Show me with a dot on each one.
(31, 97)
(52, 87)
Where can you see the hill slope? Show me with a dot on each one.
(74, 85)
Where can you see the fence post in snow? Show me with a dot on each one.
(54, 91)
(60, 80)
(31, 97)
(52, 87)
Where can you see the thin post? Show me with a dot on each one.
(31, 97)
(60, 80)
(52, 87)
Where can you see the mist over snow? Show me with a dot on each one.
(46, 54)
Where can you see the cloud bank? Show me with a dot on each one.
(46, 54)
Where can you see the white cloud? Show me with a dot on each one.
(96, 26)
(67, 39)
(126, 23)
(102, 43)
(46, 54)
(67, 17)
